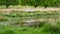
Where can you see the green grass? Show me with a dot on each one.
(4, 17)
(45, 28)
(33, 15)
(2, 7)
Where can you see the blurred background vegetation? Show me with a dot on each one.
(36, 22)
(35, 3)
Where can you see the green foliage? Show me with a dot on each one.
(45, 3)
(12, 2)
(3, 19)
(46, 29)
(2, 2)
(35, 3)
(30, 15)
(9, 32)
(9, 2)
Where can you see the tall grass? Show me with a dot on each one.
(38, 27)
(46, 29)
